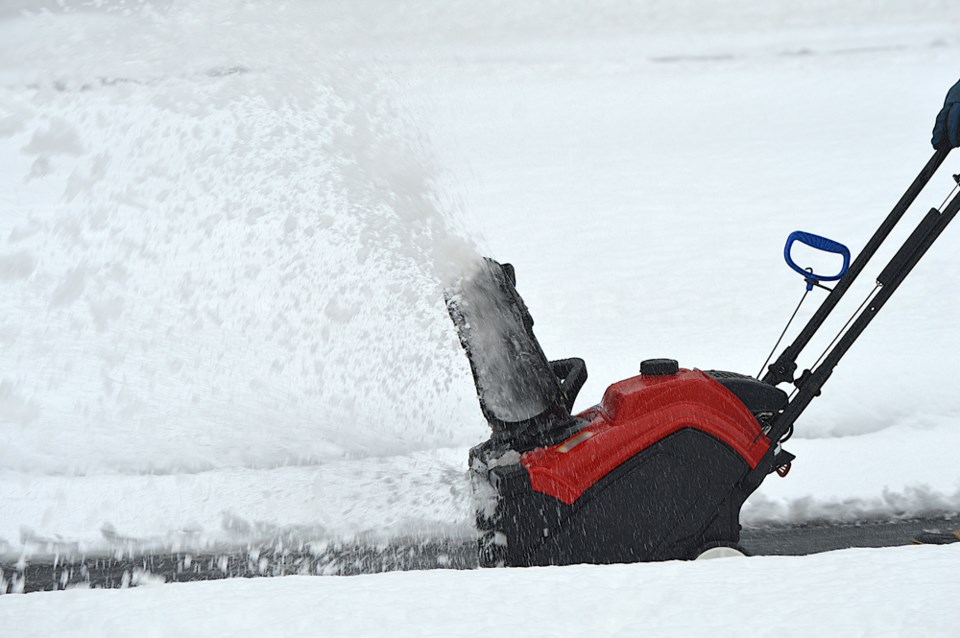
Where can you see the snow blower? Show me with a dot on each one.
(661, 467)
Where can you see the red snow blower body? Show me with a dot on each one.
(660, 468)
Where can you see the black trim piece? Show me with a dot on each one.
(758, 396)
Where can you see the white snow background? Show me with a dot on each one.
(223, 228)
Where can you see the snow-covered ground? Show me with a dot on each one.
(224, 227)
(908, 591)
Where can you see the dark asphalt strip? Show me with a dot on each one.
(45, 573)
(812, 538)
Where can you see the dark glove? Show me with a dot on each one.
(946, 131)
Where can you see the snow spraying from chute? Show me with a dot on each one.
(240, 262)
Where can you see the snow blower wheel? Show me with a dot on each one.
(721, 550)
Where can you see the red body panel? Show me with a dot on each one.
(636, 413)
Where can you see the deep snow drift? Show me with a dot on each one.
(225, 227)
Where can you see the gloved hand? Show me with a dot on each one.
(946, 131)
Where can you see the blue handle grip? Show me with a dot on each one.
(820, 243)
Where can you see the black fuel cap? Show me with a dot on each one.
(659, 366)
